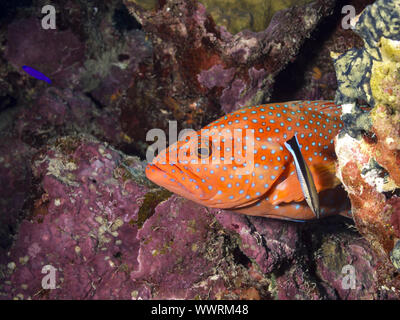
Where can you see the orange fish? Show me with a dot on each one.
(239, 162)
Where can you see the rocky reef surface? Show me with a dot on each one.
(253, 15)
(211, 71)
(368, 148)
(111, 234)
(73, 191)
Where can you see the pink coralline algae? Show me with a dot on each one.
(216, 76)
(394, 206)
(62, 111)
(57, 61)
(109, 233)
(77, 224)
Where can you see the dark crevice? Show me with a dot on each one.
(96, 102)
(240, 258)
(316, 233)
(253, 230)
(8, 8)
(292, 79)
(294, 72)
(124, 21)
(7, 102)
(390, 194)
(309, 259)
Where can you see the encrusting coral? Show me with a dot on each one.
(254, 15)
(368, 149)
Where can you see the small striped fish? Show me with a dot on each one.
(240, 162)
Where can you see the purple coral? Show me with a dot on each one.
(58, 54)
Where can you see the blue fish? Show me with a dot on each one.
(36, 74)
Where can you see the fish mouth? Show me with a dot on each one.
(161, 176)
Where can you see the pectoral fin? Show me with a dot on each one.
(324, 175)
(288, 190)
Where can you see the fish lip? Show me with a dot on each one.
(172, 186)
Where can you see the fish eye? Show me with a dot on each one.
(204, 150)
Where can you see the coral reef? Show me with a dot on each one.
(61, 111)
(201, 70)
(368, 148)
(15, 187)
(110, 234)
(72, 198)
(254, 15)
(58, 62)
(312, 75)
(90, 65)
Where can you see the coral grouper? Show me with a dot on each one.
(239, 162)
